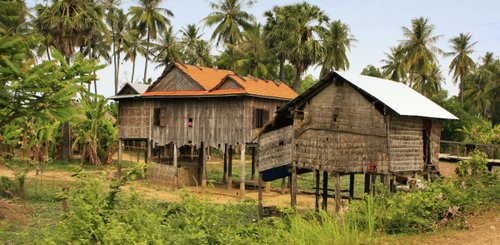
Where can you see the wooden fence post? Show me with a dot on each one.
(224, 177)
(242, 171)
(293, 186)
(203, 168)
(230, 169)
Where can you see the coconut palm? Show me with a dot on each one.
(230, 20)
(462, 64)
(419, 47)
(190, 36)
(202, 54)
(394, 67)
(337, 41)
(114, 17)
(253, 56)
(275, 35)
(150, 19)
(168, 49)
(131, 46)
(429, 84)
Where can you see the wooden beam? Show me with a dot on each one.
(325, 190)
(224, 177)
(260, 196)
(242, 172)
(351, 187)
(367, 183)
(148, 151)
(176, 166)
(203, 168)
(119, 164)
(283, 183)
(316, 194)
(338, 197)
(293, 186)
(230, 168)
(253, 163)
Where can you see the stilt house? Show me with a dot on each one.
(348, 124)
(190, 108)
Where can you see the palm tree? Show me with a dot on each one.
(419, 47)
(304, 23)
(230, 19)
(253, 56)
(429, 84)
(168, 49)
(371, 70)
(275, 35)
(114, 17)
(462, 64)
(132, 45)
(149, 20)
(189, 39)
(337, 42)
(395, 65)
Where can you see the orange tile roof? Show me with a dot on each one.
(210, 79)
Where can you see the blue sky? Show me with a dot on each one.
(376, 24)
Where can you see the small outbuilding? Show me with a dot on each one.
(350, 124)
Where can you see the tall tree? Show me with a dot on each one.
(190, 36)
(371, 70)
(132, 45)
(114, 17)
(230, 19)
(253, 56)
(150, 19)
(394, 66)
(462, 64)
(168, 49)
(275, 35)
(419, 47)
(337, 41)
(429, 84)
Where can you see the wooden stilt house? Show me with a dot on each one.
(352, 124)
(188, 109)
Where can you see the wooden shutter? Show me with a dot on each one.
(265, 117)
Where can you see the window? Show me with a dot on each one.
(190, 122)
(260, 117)
(156, 117)
(160, 117)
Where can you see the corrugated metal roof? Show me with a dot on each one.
(397, 96)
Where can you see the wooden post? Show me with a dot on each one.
(317, 190)
(253, 163)
(230, 169)
(373, 182)
(242, 172)
(351, 187)
(325, 190)
(176, 177)
(367, 183)
(203, 168)
(338, 196)
(387, 182)
(268, 186)
(149, 144)
(119, 165)
(224, 177)
(391, 183)
(260, 195)
(283, 182)
(293, 186)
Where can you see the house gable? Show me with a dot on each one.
(127, 90)
(176, 80)
(229, 83)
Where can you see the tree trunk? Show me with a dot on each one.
(48, 52)
(117, 70)
(114, 58)
(411, 78)
(133, 71)
(146, 66)
(296, 84)
(22, 189)
(461, 91)
(282, 69)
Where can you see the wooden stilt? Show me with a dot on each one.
(230, 168)
(293, 186)
(176, 177)
(119, 164)
(148, 150)
(268, 187)
(242, 172)
(338, 197)
(316, 194)
(391, 183)
(224, 177)
(372, 184)
(283, 185)
(351, 187)
(367, 183)
(203, 168)
(253, 164)
(260, 195)
(325, 190)
(387, 182)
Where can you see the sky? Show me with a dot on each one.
(376, 24)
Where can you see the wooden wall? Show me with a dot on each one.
(134, 117)
(406, 143)
(176, 80)
(275, 148)
(163, 174)
(435, 141)
(341, 131)
(215, 120)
